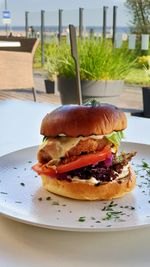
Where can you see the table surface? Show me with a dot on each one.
(25, 245)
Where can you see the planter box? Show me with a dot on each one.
(49, 86)
(90, 89)
(107, 88)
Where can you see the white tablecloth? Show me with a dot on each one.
(24, 245)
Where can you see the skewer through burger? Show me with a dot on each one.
(78, 157)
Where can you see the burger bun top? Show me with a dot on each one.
(75, 120)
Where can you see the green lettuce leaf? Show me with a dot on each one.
(115, 137)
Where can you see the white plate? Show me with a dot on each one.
(22, 198)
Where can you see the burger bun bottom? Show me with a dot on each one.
(85, 191)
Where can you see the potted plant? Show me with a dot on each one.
(50, 52)
(102, 70)
(50, 67)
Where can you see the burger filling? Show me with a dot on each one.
(90, 159)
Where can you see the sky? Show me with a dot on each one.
(92, 12)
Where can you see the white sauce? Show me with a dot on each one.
(91, 181)
(57, 147)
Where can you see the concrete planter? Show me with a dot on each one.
(66, 88)
(101, 89)
(90, 89)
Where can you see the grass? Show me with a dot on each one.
(137, 76)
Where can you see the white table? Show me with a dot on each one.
(24, 245)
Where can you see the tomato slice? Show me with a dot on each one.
(81, 161)
(42, 169)
(84, 160)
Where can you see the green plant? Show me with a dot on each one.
(136, 76)
(98, 61)
(51, 67)
(147, 70)
(143, 60)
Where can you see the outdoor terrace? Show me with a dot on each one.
(130, 98)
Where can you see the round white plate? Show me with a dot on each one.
(22, 197)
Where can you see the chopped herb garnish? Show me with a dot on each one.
(127, 207)
(82, 219)
(40, 198)
(148, 172)
(22, 184)
(18, 202)
(145, 165)
(55, 203)
(48, 198)
(110, 206)
(112, 215)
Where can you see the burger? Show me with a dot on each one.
(79, 158)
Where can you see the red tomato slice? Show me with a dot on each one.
(81, 161)
(84, 160)
(42, 169)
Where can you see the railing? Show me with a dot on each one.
(104, 22)
(52, 26)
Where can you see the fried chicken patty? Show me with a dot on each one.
(54, 146)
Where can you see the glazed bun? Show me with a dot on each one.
(74, 121)
(85, 191)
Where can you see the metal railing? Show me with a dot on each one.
(53, 25)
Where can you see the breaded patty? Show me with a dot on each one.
(83, 146)
(88, 146)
